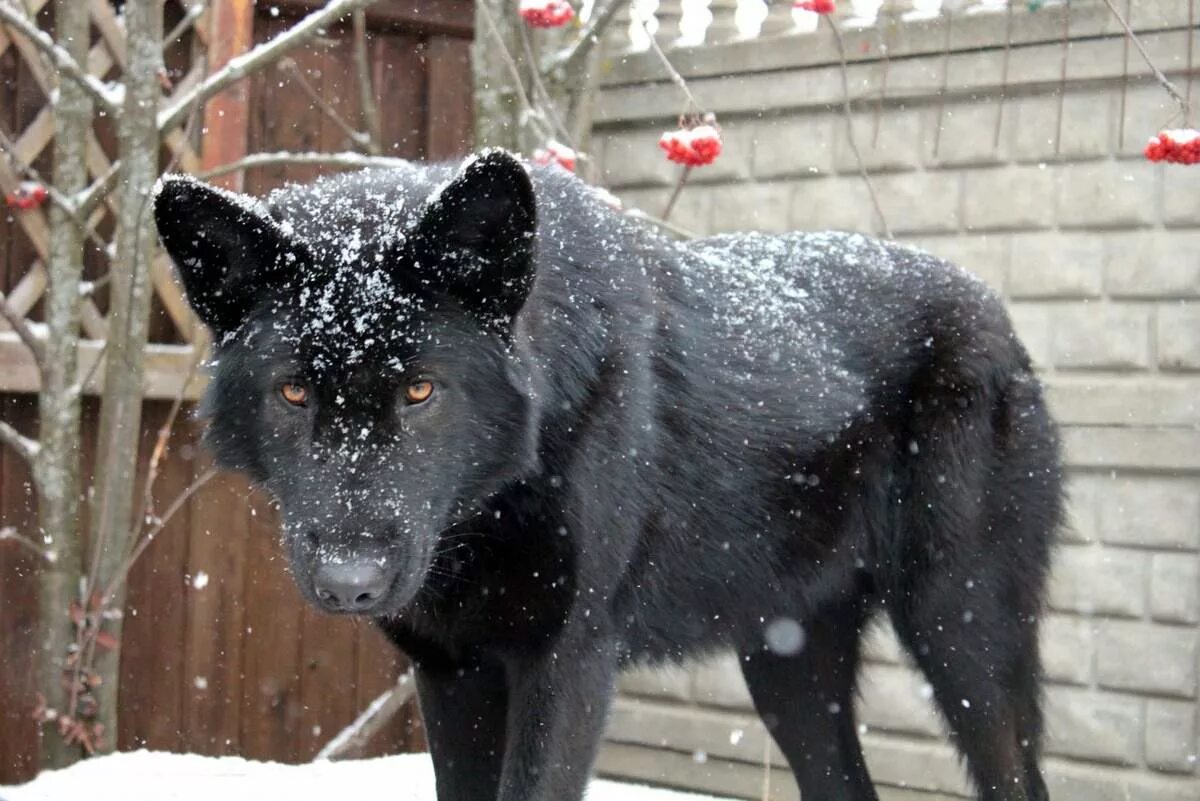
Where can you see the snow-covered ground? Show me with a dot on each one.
(159, 776)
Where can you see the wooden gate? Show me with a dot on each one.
(221, 655)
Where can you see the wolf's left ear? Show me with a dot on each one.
(475, 239)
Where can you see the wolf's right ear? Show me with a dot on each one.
(225, 247)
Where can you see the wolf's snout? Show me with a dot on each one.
(355, 587)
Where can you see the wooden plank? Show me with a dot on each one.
(227, 116)
(425, 17)
(152, 654)
(272, 711)
(399, 61)
(167, 366)
(450, 114)
(215, 641)
(18, 607)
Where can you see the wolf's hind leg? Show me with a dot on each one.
(806, 701)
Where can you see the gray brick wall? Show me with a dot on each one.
(1098, 254)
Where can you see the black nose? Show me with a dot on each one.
(350, 586)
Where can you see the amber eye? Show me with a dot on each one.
(418, 391)
(294, 394)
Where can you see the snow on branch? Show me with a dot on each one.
(257, 58)
(10, 533)
(349, 159)
(21, 326)
(107, 98)
(24, 447)
(354, 738)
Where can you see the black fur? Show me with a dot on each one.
(636, 450)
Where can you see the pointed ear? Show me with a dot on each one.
(475, 238)
(225, 246)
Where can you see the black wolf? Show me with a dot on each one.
(536, 441)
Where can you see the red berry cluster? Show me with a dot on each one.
(1177, 147)
(815, 6)
(695, 146)
(546, 13)
(29, 195)
(556, 153)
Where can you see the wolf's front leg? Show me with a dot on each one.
(464, 711)
(558, 704)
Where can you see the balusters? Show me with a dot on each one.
(694, 22)
(923, 9)
(643, 23)
(863, 13)
(749, 17)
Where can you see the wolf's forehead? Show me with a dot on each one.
(351, 218)
(354, 315)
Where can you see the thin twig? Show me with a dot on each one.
(676, 78)
(1062, 81)
(350, 741)
(1004, 70)
(568, 59)
(676, 192)
(63, 63)
(941, 111)
(159, 524)
(539, 88)
(164, 436)
(93, 196)
(91, 373)
(257, 58)
(69, 205)
(669, 227)
(186, 22)
(1124, 80)
(10, 533)
(850, 137)
(885, 46)
(356, 136)
(1158, 76)
(366, 87)
(1191, 46)
(24, 447)
(531, 112)
(350, 160)
(21, 326)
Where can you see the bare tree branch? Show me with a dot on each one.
(10, 533)
(21, 326)
(257, 58)
(105, 97)
(529, 111)
(676, 78)
(356, 136)
(351, 740)
(25, 447)
(87, 201)
(189, 18)
(180, 500)
(1158, 76)
(350, 160)
(850, 137)
(571, 57)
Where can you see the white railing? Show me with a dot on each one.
(690, 23)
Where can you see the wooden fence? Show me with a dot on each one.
(221, 655)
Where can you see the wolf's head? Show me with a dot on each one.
(363, 370)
